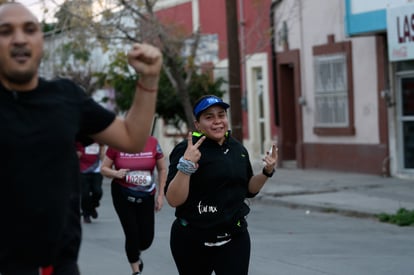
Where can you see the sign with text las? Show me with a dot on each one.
(400, 31)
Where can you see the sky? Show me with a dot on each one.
(38, 7)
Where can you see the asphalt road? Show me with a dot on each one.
(284, 241)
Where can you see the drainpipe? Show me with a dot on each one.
(196, 15)
(242, 24)
(274, 59)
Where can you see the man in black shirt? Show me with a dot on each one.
(39, 123)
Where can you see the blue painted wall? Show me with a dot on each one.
(366, 22)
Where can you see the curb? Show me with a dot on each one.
(323, 209)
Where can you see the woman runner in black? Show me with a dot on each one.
(209, 178)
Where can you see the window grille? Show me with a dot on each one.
(331, 91)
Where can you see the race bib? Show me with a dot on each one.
(92, 149)
(141, 178)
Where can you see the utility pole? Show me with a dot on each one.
(233, 53)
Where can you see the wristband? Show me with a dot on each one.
(269, 175)
(186, 166)
(145, 89)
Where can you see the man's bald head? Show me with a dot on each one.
(15, 5)
(21, 47)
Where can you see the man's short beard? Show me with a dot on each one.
(20, 78)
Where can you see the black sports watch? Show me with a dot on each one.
(269, 175)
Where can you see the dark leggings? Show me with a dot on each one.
(91, 184)
(191, 256)
(137, 220)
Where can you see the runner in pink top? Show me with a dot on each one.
(133, 189)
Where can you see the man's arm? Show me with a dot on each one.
(130, 134)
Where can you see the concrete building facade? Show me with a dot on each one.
(343, 104)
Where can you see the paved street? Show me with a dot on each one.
(284, 241)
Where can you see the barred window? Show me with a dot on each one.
(331, 91)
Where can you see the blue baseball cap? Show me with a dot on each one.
(207, 102)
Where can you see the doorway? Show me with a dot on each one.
(288, 113)
(405, 122)
(260, 112)
(290, 137)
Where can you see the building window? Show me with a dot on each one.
(333, 89)
(331, 94)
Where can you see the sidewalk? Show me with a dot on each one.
(346, 193)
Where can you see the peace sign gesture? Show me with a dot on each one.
(192, 153)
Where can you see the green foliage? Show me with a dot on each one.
(169, 104)
(122, 79)
(47, 27)
(78, 51)
(403, 217)
(63, 16)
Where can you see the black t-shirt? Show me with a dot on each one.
(219, 187)
(39, 168)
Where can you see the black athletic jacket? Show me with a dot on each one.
(219, 187)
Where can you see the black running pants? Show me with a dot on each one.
(192, 256)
